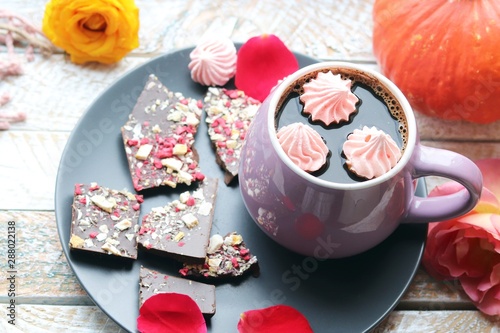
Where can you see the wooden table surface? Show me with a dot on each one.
(54, 93)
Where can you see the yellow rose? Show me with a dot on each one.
(93, 30)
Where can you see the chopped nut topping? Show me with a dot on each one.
(184, 196)
(172, 163)
(125, 224)
(103, 203)
(110, 249)
(143, 152)
(214, 263)
(205, 208)
(233, 239)
(76, 241)
(102, 236)
(104, 229)
(215, 244)
(179, 236)
(156, 129)
(190, 220)
(180, 149)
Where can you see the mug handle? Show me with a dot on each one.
(428, 161)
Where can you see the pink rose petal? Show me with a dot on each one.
(278, 318)
(488, 303)
(490, 170)
(446, 188)
(170, 312)
(489, 203)
(263, 61)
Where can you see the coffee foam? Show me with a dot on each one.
(356, 76)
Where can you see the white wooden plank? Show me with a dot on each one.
(50, 318)
(54, 93)
(321, 29)
(439, 322)
(89, 319)
(28, 164)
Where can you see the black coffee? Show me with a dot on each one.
(376, 107)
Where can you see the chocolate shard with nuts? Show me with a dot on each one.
(105, 220)
(181, 229)
(152, 282)
(227, 257)
(159, 138)
(229, 113)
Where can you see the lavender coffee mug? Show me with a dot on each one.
(325, 217)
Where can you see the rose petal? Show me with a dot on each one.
(170, 312)
(489, 280)
(489, 168)
(489, 305)
(439, 238)
(484, 223)
(486, 302)
(445, 189)
(263, 61)
(277, 318)
(488, 203)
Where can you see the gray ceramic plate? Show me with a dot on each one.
(347, 295)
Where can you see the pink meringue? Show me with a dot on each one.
(328, 98)
(370, 152)
(304, 146)
(213, 62)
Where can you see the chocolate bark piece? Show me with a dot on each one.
(152, 282)
(159, 137)
(181, 229)
(229, 113)
(227, 257)
(105, 220)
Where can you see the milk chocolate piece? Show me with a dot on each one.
(181, 229)
(152, 282)
(229, 113)
(159, 138)
(105, 220)
(227, 257)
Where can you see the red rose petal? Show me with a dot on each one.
(278, 318)
(170, 312)
(263, 61)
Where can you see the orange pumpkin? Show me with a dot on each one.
(443, 54)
